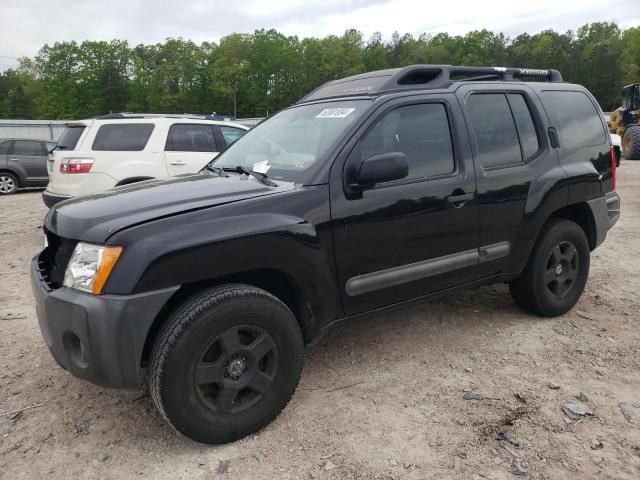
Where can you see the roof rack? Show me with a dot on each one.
(130, 115)
(423, 77)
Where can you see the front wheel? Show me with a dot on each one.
(226, 363)
(557, 271)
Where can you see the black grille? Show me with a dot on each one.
(54, 259)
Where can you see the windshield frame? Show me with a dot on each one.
(318, 172)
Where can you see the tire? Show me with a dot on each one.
(8, 184)
(631, 142)
(557, 270)
(226, 363)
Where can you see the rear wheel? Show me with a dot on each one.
(8, 184)
(226, 363)
(631, 142)
(557, 271)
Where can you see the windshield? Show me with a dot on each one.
(288, 145)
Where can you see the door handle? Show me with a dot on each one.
(459, 200)
(14, 159)
(177, 162)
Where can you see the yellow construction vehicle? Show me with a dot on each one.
(625, 121)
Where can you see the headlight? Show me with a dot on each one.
(90, 267)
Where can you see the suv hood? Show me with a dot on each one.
(94, 218)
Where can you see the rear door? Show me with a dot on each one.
(189, 147)
(514, 165)
(31, 158)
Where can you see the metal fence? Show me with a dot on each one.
(52, 129)
(35, 129)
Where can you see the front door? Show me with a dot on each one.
(189, 147)
(412, 237)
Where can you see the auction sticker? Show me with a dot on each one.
(335, 112)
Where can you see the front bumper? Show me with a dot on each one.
(50, 199)
(96, 338)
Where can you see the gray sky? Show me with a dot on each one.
(28, 24)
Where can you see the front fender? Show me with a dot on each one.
(232, 239)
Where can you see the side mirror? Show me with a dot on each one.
(384, 167)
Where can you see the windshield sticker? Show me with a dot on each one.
(335, 112)
(261, 167)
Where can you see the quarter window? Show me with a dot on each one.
(421, 132)
(191, 138)
(28, 147)
(575, 117)
(123, 137)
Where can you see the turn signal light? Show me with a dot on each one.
(109, 258)
(76, 165)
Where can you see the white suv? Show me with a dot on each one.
(95, 155)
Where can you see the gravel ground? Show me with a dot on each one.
(379, 399)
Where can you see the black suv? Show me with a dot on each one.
(370, 193)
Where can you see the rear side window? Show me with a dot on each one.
(191, 138)
(494, 130)
(122, 137)
(529, 139)
(28, 147)
(421, 132)
(4, 147)
(575, 117)
(69, 138)
(231, 134)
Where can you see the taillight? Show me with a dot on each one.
(614, 161)
(76, 165)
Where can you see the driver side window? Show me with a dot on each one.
(421, 132)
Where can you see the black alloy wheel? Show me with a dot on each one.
(562, 269)
(237, 369)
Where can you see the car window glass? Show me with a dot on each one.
(421, 132)
(575, 117)
(27, 147)
(524, 122)
(69, 138)
(494, 130)
(132, 137)
(49, 146)
(4, 147)
(231, 134)
(191, 138)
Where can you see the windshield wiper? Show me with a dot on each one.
(216, 170)
(262, 177)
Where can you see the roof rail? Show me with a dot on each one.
(423, 77)
(130, 115)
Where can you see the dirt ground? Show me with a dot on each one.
(379, 399)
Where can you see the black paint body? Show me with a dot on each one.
(318, 236)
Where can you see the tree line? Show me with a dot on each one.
(257, 74)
